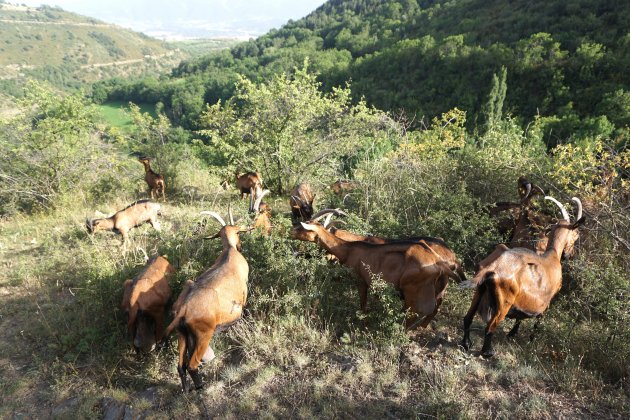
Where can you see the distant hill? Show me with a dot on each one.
(563, 58)
(69, 50)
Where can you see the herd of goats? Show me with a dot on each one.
(516, 281)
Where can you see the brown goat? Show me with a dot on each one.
(262, 214)
(518, 283)
(247, 182)
(417, 272)
(142, 211)
(154, 180)
(212, 303)
(436, 244)
(301, 202)
(144, 300)
(343, 186)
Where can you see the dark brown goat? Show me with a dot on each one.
(212, 303)
(301, 202)
(142, 211)
(154, 180)
(518, 283)
(144, 300)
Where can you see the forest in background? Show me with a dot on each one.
(564, 61)
(304, 349)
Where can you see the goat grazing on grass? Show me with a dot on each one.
(301, 202)
(154, 180)
(414, 269)
(122, 221)
(144, 301)
(262, 214)
(249, 183)
(518, 283)
(210, 304)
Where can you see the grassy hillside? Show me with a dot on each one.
(70, 50)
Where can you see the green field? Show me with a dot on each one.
(116, 113)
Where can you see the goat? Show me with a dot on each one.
(343, 186)
(122, 221)
(301, 202)
(144, 300)
(518, 283)
(436, 244)
(415, 270)
(525, 190)
(247, 182)
(154, 180)
(262, 214)
(212, 303)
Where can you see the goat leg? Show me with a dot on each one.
(514, 329)
(181, 370)
(486, 350)
(538, 319)
(466, 343)
(196, 377)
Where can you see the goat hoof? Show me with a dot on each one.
(465, 345)
(486, 354)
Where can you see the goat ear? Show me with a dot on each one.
(307, 226)
(216, 235)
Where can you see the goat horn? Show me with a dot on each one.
(579, 207)
(297, 199)
(565, 214)
(259, 200)
(327, 219)
(215, 215)
(540, 190)
(230, 215)
(336, 222)
(324, 212)
(527, 193)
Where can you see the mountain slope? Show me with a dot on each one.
(68, 49)
(564, 59)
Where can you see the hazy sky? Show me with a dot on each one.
(190, 18)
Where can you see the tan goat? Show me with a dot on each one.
(249, 183)
(144, 300)
(142, 211)
(262, 214)
(415, 270)
(210, 304)
(518, 283)
(154, 180)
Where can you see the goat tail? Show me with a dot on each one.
(488, 294)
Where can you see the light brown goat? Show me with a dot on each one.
(518, 283)
(417, 272)
(144, 300)
(154, 180)
(262, 214)
(343, 186)
(301, 202)
(122, 221)
(249, 183)
(211, 303)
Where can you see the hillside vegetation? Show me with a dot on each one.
(303, 348)
(70, 50)
(565, 61)
(539, 91)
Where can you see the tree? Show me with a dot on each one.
(290, 131)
